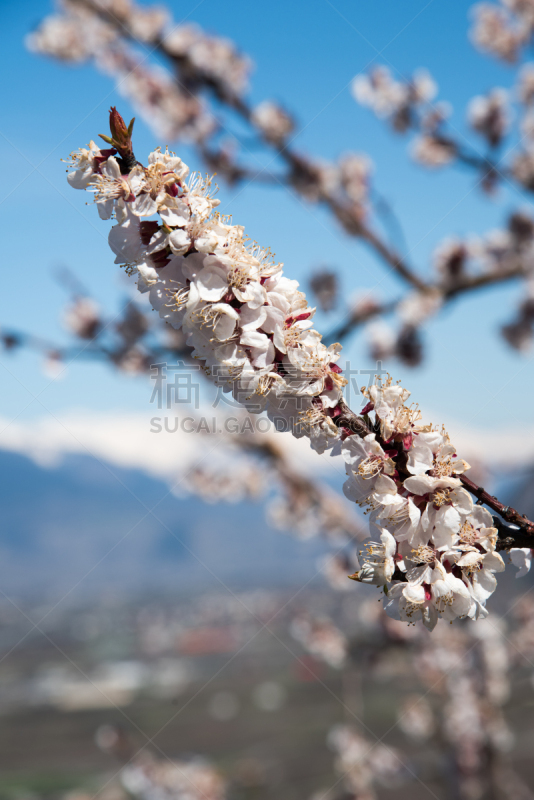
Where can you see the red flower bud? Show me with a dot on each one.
(118, 128)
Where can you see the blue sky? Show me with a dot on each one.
(306, 54)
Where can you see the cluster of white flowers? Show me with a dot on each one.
(321, 638)
(169, 110)
(231, 486)
(308, 509)
(430, 150)
(394, 99)
(250, 325)
(102, 31)
(364, 764)
(149, 778)
(273, 121)
(436, 556)
(251, 328)
(499, 251)
(494, 33)
(470, 669)
(212, 57)
(84, 28)
(489, 115)
(82, 318)
(74, 35)
(503, 31)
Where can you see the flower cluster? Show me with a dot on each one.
(251, 328)
(436, 551)
(462, 264)
(85, 29)
(169, 110)
(392, 99)
(249, 324)
(470, 669)
(208, 58)
(102, 32)
(320, 637)
(274, 123)
(150, 778)
(489, 116)
(409, 106)
(144, 776)
(364, 764)
(502, 31)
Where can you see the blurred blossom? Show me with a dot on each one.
(382, 340)
(213, 57)
(519, 333)
(80, 34)
(148, 778)
(314, 180)
(274, 123)
(379, 91)
(449, 259)
(433, 117)
(169, 111)
(498, 250)
(324, 285)
(147, 24)
(527, 126)
(423, 87)
(364, 763)
(420, 306)
(491, 636)
(523, 169)
(132, 361)
(337, 567)
(525, 86)
(73, 38)
(362, 303)
(497, 33)
(521, 227)
(433, 151)
(522, 559)
(306, 511)
(224, 485)
(321, 638)
(416, 717)
(489, 115)
(392, 99)
(82, 318)
(355, 173)
(523, 8)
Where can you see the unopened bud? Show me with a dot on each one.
(119, 131)
(121, 139)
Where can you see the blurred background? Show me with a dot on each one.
(175, 619)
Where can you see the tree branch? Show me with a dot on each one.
(506, 512)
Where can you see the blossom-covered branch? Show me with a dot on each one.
(261, 467)
(461, 267)
(206, 67)
(251, 329)
(176, 107)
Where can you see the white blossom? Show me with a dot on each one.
(432, 551)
